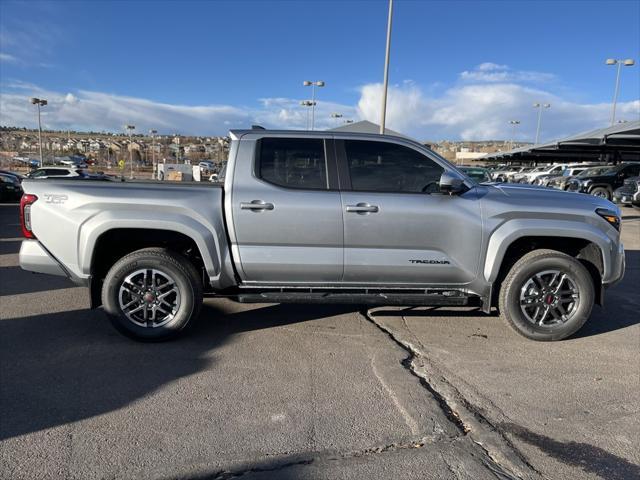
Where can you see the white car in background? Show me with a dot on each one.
(49, 172)
(555, 169)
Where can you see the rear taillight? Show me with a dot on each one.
(25, 214)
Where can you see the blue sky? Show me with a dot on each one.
(458, 69)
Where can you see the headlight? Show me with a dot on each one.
(610, 216)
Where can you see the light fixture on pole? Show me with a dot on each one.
(130, 128)
(385, 85)
(336, 116)
(627, 63)
(40, 102)
(540, 106)
(307, 103)
(348, 121)
(153, 150)
(514, 124)
(313, 86)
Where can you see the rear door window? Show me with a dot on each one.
(293, 163)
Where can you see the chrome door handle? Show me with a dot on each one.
(256, 205)
(362, 208)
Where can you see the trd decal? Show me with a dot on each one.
(55, 198)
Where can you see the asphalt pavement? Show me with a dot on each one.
(294, 391)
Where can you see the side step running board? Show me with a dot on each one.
(404, 299)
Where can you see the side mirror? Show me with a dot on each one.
(450, 184)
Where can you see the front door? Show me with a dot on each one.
(397, 228)
(287, 222)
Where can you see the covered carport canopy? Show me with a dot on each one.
(612, 144)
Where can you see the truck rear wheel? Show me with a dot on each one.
(547, 295)
(152, 294)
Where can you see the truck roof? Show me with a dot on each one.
(237, 133)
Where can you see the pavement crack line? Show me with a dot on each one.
(503, 458)
(321, 456)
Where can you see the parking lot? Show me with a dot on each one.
(295, 391)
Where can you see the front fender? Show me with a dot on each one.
(512, 230)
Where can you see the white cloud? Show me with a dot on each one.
(87, 110)
(482, 111)
(470, 110)
(5, 57)
(492, 72)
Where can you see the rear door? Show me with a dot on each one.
(287, 216)
(398, 228)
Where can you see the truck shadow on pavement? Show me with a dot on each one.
(620, 310)
(591, 459)
(15, 281)
(64, 367)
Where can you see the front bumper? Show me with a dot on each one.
(618, 265)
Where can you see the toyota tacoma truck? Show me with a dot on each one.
(325, 217)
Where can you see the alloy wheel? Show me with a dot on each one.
(149, 298)
(549, 298)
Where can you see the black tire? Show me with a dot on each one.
(161, 263)
(513, 286)
(601, 192)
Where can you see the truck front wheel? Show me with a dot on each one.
(152, 294)
(547, 295)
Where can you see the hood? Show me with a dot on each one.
(545, 198)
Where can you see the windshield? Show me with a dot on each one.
(477, 174)
(597, 171)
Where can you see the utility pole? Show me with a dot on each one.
(153, 151)
(514, 123)
(313, 86)
(629, 62)
(40, 102)
(385, 87)
(130, 128)
(539, 106)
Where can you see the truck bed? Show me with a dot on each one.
(86, 209)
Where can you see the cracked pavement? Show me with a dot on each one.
(294, 391)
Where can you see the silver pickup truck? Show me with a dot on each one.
(325, 217)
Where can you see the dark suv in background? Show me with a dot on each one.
(603, 183)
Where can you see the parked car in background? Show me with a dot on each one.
(569, 171)
(554, 169)
(602, 183)
(326, 217)
(48, 172)
(479, 174)
(18, 176)
(207, 167)
(562, 182)
(628, 193)
(10, 188)
(502, 174)
(516, 177)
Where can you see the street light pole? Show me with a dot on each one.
(153, 151)
(385, 86)
(627, 63)
(130, 128)
(313, 85)
(40, 102)
(336, 116)
(514, 123)
(307, 103)
(540, 106)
